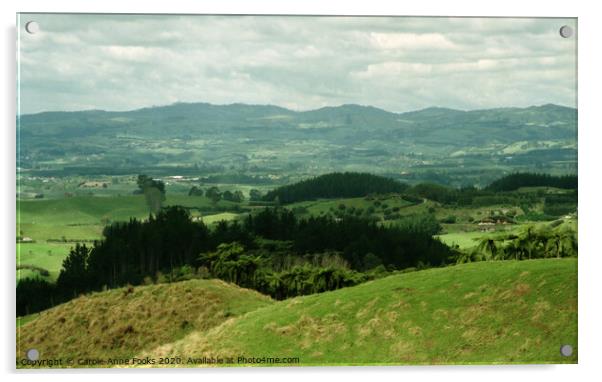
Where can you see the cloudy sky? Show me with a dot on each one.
(77, 62)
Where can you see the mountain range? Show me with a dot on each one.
(272, 139)
(190, 119)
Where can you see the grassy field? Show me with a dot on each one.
(211, 219)
(83, 218)
(316, 207)
(479, 313)
(49, 256)
(122, 322)
(465, 216)
(464, 240)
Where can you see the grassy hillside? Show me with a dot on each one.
(123, 322)
(487, 312)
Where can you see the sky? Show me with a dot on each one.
(125, 62)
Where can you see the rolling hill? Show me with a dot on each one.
(335, 185)
(204, 139)
(121, 322)
(190, 119)
(477, 313)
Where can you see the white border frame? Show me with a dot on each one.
(589, 26)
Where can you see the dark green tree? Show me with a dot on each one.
(255, 194)
(213, 194)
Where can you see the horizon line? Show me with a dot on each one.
(293, 110)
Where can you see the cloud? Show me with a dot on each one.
(123, 62)
(424, 41)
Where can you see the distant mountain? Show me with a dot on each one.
(268, 139)
(431, 124)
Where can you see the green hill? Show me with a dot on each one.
(192, 119)
(122, 322)
(478, 313)
(434, 144)
(335, 185)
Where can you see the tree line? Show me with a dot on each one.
(335, 185)
(346, 185)
(503, 191)
(133, 251)
(517, 180)
(258, 270)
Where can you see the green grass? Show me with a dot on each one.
(467, 237)
(25, 319)
(83, 217)
(121, 322)
(211, 219)
(478, 313)
(464, 240)
(49, 256)
(323, 206)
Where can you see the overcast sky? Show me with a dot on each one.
(80, 62)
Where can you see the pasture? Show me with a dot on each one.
(56, 225)
(478, 313)
(48, 256)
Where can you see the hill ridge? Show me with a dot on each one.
(283, 108)
(121, 322)
(517, 312)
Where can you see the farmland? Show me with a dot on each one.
(507, 312)
(56, 224)
(315, 241)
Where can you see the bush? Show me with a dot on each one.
(451, 219)
(371, 261)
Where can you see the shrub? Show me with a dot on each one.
(451, 219)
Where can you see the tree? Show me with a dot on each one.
(213, 194)
(513, 251)
(238, 196)
(74, 276)
(154, 192)
(488, 247)
(255, 194)
(228, 195)
(154, 199)
(195, 191)
(145, 181)
(34, 295)
(371, 261)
